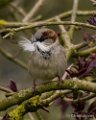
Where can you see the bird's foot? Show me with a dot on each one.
(60, 81)
(34, 86)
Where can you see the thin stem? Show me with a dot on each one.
(80, 45)
(10, 57)
(66, 73)
(5, 89)
(33, 10)
(68, 13)
(39, 24)
(18, 9)
(31, 116)
(93, 95)
(87, 51)
(73, 17)
(93, 2)
(86, 98)
(65, 35)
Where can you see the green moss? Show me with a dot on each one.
(28, 105)
(17, 114)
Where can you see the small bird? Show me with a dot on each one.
(48, 57)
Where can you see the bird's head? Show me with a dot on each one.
(44, 39)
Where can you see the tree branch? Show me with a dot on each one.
(4, 89)
(10, 57)
(87, 51)
(25, 26)
(68, 13)
(23, 95)
(33, 10)
(73, 17)
(32, 105)
(65, 35)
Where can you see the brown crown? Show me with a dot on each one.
(49, 34)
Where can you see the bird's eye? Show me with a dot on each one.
(43, 37)
(46, 35)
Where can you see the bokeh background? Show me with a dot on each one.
(11, 71)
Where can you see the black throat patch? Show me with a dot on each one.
(45, 54)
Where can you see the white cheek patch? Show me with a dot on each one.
(43, 47)
(27, 45)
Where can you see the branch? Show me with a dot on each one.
(81, 45)
(87, 51)
(23, 95)
(65, 35)
(18, 9)
(33, 10)
(32, 105)
(10, 57)
(25, 26)
(93, 2)
(68, 13)
(4, 89)
(73, 17)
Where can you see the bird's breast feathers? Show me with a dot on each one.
(48, 65)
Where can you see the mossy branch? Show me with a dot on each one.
(33, 104)
(23, 95)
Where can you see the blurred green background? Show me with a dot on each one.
(10, 71)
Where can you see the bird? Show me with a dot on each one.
(48, 57)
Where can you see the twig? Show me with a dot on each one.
(73, 17)
(66, 74)
(65, 14)
(68, 13)
(86, 98)
(93, 95)
(81, 45)
(18, 9)
(31, 116)
(33, 10)
(25, 26)
(65, 35)
(87, 51)
(93, 2)
(5, 89)
(10, 57)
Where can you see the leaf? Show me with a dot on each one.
(92, 20)
(13, 86)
